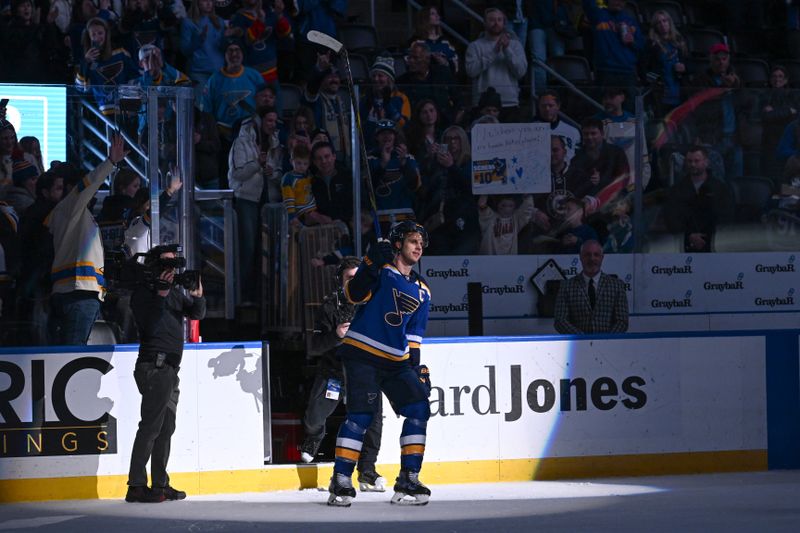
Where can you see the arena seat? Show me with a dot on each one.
(753, 72)
(699, 40)
(103, 333)
(674, 9)
(360, 38)
(291, 97)
(752, 195)
(574, 68)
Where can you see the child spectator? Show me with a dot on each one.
(574, 231)
(298, 198)
(620, 231)
(500, 226)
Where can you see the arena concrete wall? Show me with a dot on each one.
(503, 409)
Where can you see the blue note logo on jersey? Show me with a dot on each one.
(404, 304)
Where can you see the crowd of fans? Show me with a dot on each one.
(237, 54)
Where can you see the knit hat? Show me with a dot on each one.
(718, 48)
(23, 170)
(386, 125)
(490, 98)
(383, 64)
(232, 41)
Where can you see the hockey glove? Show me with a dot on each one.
(424, 376)
(380, 252)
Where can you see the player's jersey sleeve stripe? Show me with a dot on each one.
(414, 338)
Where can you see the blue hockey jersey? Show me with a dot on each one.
(392, 320)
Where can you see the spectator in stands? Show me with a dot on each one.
(260, 26)
(102, 66)
(30, 145)
(27, 45)
(298, 197)
(549, 27)
(9, 260)
(230, 92)
(36, 257)
(9, 150)
(145, 22)
(617, 41)
(331, 183)
(77, 273)
(716, 119)
(207, 147)
(573, 231)
(613, 101)
(297, 131)
(496, 59)
(599, 170)
(155, 72)
(395, 175)
(789, 145)
(501, 221)
(698, 204)
(331, 112)
(619, 128)
(202, 36)
(664, 60)
(592, 301)
(489, 104)
(82, 12)
(548, 107)
(254, 175)
(425, 130)
(620, 231)
(22, 193)
(450, 210)
(428, 30)
(550, 208)
(382, 100)
(779, 106)
(424, 80)
(320, 15)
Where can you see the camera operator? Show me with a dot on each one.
(159, 309)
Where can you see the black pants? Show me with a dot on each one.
(159, 390)
(320, 408)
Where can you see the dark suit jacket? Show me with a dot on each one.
(574, 315)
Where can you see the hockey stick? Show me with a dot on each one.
(323, 39)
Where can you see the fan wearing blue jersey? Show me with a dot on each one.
(381, 354)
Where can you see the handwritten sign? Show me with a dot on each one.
(511, 158)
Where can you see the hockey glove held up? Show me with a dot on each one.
(380, 253)
(424, 376)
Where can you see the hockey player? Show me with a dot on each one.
(332, 322)
(381, 353)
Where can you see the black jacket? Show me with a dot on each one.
(160, 320)
(335, 310)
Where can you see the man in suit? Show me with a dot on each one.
(591, 302)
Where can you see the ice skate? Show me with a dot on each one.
(342, 491)
(409, 490)
(371, 481)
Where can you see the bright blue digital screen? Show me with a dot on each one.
(41, 112)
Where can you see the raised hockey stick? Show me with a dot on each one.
(323, 39)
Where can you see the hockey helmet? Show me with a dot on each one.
(401, 229)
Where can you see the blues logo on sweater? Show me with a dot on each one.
(393, 318)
